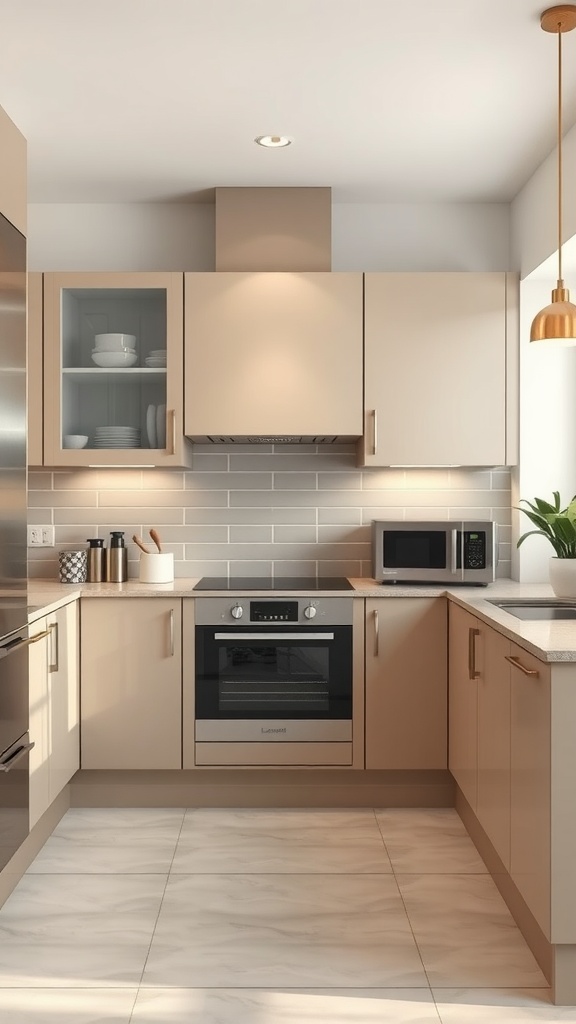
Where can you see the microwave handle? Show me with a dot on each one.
(454, 552)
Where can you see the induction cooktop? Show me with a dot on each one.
(268, 583)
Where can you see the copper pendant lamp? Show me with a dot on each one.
(557, 322)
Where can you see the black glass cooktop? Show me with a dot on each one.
(266, 583)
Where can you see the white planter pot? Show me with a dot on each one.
(563, 577)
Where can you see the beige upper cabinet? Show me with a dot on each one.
(35, 343)
(440, 369)
(406, 683)
(131, 667)
(131, 414)
(273, 354)
(13, 177)
(466, 667)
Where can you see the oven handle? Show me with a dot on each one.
(273, 636)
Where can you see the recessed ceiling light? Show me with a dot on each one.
(273, 141)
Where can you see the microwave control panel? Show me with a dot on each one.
(474, 550)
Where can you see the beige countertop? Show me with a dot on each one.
(550, 641)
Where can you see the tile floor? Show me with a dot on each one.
(264, 917)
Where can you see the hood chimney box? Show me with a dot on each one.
(273, 229)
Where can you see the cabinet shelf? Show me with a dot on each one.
(108, 375)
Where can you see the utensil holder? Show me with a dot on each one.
(157, 568)
(72, 566)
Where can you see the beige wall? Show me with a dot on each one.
(253, 511)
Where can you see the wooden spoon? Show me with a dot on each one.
(141, 544)
(156, 539)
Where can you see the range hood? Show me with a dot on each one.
(274, 337)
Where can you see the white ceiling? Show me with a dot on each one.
(156, 100)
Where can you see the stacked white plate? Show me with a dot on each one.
(157, 358)
(117, 437)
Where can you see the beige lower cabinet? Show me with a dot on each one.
(64, 684)
(54, 707)
(530, 781)
(466, 667)
(131, 683)
(406, 676)
(493, 804)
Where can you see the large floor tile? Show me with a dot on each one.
(95, 840)
(78, 930)
(66, 1006)
(274, 1006)
(423, 841)
(465, 932)
(505, 1006)
(235, 931)
(271, 841)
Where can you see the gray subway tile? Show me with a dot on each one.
(118, 518)
(295, 481)
(162, 499)
(163, 479)
(251, 568)
(228, 481)
(348, 516)
(63, 499)
(340, 481)
(39, 480)
(209, 462)
(211, 567)
(251, 534)
(294, 567)
(251, 516)
(295, 534)
(341, 534)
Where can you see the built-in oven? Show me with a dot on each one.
(273, 672)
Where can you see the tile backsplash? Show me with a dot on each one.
(272, 510)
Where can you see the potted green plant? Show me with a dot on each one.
(558, 525)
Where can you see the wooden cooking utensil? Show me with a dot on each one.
(141, 544)
(155, 537)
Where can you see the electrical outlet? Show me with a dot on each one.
(41, 537)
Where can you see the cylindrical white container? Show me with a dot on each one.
(157, 568)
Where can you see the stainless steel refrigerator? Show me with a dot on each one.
(14, 637)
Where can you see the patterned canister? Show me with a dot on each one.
(73, 566)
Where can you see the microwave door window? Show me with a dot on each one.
(418, 549)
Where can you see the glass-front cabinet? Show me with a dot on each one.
(113, 369)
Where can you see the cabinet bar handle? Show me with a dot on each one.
(171, 613)
(518, 664)
(472, 671)
(374, 432)
(7, 766)
(172, 414)
(54, 639)
(9, 649)
(376, 634)
(453, 552)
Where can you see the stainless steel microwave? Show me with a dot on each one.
(434, 552)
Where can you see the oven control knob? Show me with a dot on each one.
(310, 611)
(237, 611)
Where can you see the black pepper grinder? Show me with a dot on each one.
(117, 563)
(96, 560)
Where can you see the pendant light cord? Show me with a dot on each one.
(560, 183)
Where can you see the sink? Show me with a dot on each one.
(543, 610)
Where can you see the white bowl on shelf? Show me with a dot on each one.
(75, 440)
(114, 359)
(114, 342)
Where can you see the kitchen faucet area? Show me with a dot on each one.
(287, 644)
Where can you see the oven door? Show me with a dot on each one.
(273, 683)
